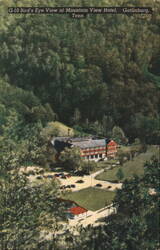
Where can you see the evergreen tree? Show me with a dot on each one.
(120, 174)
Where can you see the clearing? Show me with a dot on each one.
(62, 128)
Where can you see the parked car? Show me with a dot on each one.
(56, 175)
(68, 175)
(63, 177)
(109, 187)
(39, 177)
(80, 181)
(61, 174)
(49, 176)
(62, 187)
(98, 185)
(68, 186)
(73, 186)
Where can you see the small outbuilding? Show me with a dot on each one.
(78, 212)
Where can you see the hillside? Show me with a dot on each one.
(61, 76)
(95, 85)
(64, 130)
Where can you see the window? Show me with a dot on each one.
(96, 156)
(100, 155)
(92, 156)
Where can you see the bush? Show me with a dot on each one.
(80, 181)
(120, 174)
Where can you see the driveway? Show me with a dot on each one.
(88, 180)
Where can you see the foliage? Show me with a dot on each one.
(87, 70)
(120, 174)
(25, 211)
(152, 173)
(146, 128)
(121, 155)
(131, 167)
(136, 223)
(129, 199)
(22, 145)
(88, 166)
(71, 159)
(23, 103)
(91, 73)
(118, 135)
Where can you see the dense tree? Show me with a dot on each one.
(99, 74)
(71, 159)
(120, 174)
(152, 173)
(136, 222)
(27, 106)
(79, 77)
(133, 198)
(118, 135)
(26, 211)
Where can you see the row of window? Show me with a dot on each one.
(94, 151)
(94, 148)
(92, 156)
(112, 147)
(111, 152)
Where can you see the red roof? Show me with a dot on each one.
(77, 210)
(112, 143)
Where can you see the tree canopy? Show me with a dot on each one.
(54, 58)
(99, 75)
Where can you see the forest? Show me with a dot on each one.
(98, 72)
(97, 75)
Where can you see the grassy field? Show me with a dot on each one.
(135, 166)
(91, 198)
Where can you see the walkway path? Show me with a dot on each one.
(92, 217)
(97, 173)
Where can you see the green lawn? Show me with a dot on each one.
(103, 164)
(91, 198)
(135, 166)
